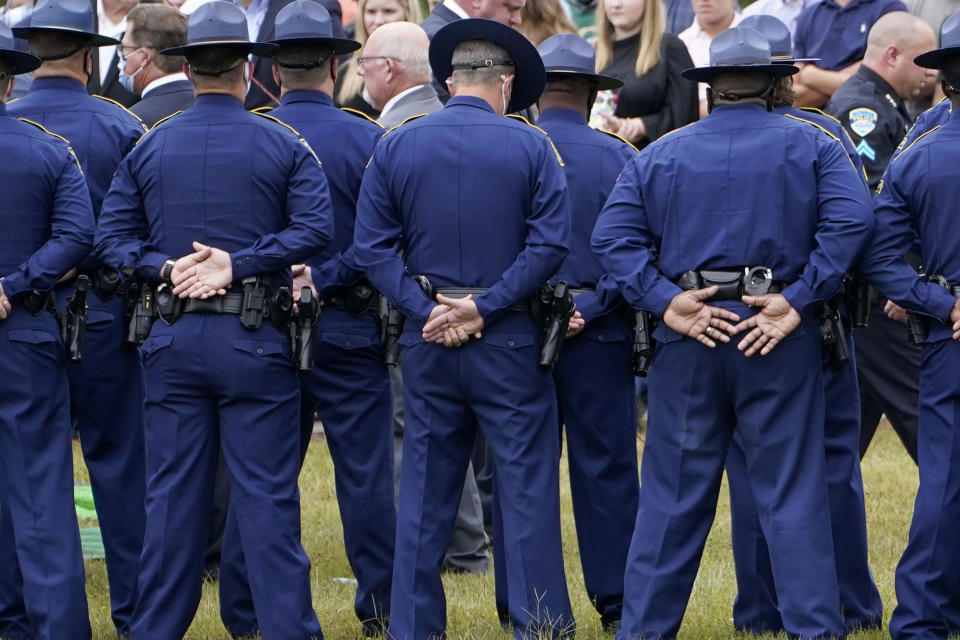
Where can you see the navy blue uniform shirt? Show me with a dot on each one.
(344, 143)
(874, 116)
(472, 199)
(742, 187)
(592, 162)
(223, 176)
(100, 132)
(936, 115)
(917, 201)
(832, 127)
(47, 226)
(838, 35)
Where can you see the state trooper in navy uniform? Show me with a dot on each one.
(594, 378)
(684, 241)
(916, 205)
(241, 197)
(106, 388)
(349, 387)
(476, 203)
(46, 230)
(755, 607)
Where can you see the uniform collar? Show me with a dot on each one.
(218, 100)
(562, 115)
(61, 84)
(469, 101)
(734, 110)
(881, 87)
(833, 5)
(304, 95)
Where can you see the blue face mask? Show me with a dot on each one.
(127, 81)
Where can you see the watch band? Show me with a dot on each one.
(167, 270)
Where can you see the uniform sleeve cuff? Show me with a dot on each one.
(661, 295)
(799, 295)
(244, 264)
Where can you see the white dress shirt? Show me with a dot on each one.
(698, 46)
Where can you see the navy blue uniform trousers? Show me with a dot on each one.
(212, 385)
(598, 412)
(928, 575)
(493, 384)
(349, 388)
(755, 608)
(38, 522)
(698, 398)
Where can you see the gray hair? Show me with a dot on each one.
(414, 59)
(480, 52)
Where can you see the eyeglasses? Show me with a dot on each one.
(362, 60)
(123, 48)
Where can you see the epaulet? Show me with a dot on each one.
(261, 110)
(820, 112)
(397, 126)
(360, 114)
(114, 102)
(51, 133)
(620, 138)
(517, 116)
(812, 124)
(294, 131)
(919, 138)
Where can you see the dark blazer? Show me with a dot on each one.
(262, 69)
(163, 101)
(440, 17)
(110, 87)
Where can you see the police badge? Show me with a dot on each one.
(863, 121)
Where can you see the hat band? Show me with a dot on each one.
(313, 64)
(483, 64)
(61, 56)
(214, 74)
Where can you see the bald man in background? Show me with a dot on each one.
(400, 87)
(870, 105)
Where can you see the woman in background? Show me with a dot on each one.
(632, 46)
(371, 14)
(542, 19)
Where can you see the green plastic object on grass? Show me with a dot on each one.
(90, 538)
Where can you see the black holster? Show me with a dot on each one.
(168, 305)
(36, 302)
(391, 327)
(359, 297)
(107, 283)
(836, 349)
(641, 355)
(301, 329)
(254, 302)
(141, 312)
(73, 326)
(860, 297)
(552, 308)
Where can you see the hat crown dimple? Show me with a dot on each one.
(739, 46)
(217, 20)
(567, 51)
(774, 30)
(303, 19)
(70, 15)
(950, 32)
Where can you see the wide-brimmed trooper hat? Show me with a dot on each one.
(307, 22)
(217, 24)
(739, 50)
(778, 35)
(568, 56)
(67, 16)
(21, 61)
(949, 45)
(529, 76)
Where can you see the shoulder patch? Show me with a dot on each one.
(295, 132)
(862, 121)
(620, 138)
(516, 116)
(51, 133)
(114, 102)
(360, 114)
(397, 126)
(919, 138)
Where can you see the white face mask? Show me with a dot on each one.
(247, 77)
(126, 81)
(503, 94)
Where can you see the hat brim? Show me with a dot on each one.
(601, 82)
(935, 59)
(793, 60)
(528, 70)
(21, 61)
(705, 74)
(261, 49)
(93, 39)
(340, 46)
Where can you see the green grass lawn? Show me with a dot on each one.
(889, 475)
